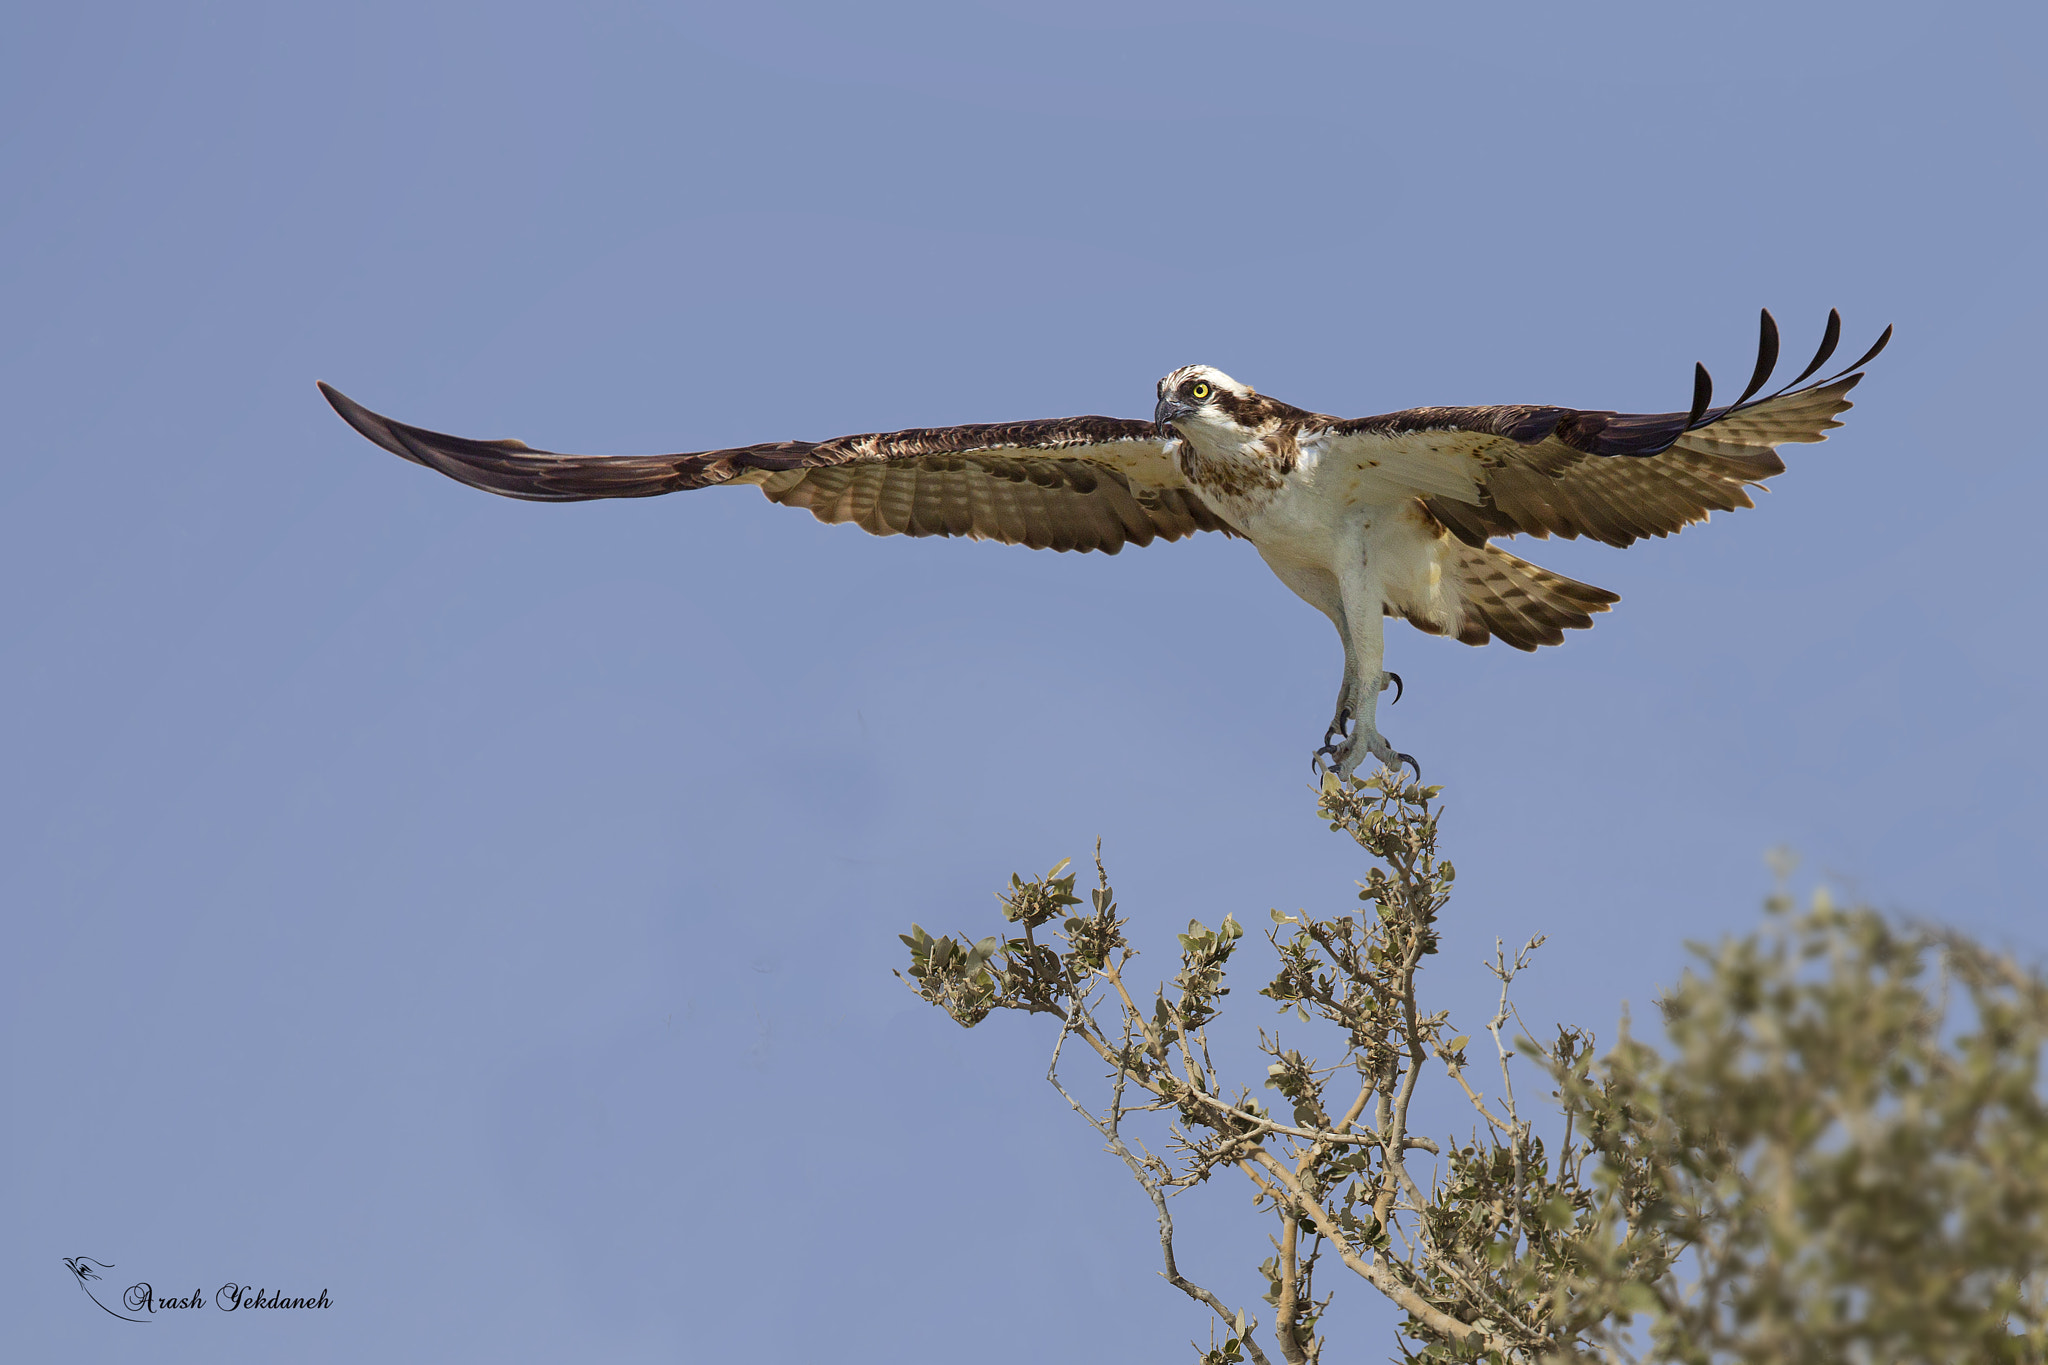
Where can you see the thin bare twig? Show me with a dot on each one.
(1242, 1325)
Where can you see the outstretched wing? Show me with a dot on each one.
(1070, 483)
(1615, 477)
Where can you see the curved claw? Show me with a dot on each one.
(1409, 759)
(1335, 730)
(1399, 688)
(1316, 762)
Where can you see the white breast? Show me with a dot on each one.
(1328, 499)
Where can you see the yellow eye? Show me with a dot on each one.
(1199, 392)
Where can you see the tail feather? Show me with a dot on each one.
(1519, 603)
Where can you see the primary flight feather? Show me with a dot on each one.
(1363, 518)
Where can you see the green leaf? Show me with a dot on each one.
(1636, 1297)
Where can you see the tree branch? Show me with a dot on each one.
(1284, 1192)
(1243, 1326)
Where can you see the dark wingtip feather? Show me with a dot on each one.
(374, 426)
(1702, 394)
(480, 464)
(1829, 339)
(1865, 358)
(1766, 357)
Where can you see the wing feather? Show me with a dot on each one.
(1074, 483)
(955, 497)
(1010, 522)
(1519, 603)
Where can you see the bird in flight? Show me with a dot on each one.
(1364, 518)
(82, 1267)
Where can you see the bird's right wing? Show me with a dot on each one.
(1616, 477)
(1070, 483)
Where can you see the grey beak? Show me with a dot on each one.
(1168, 410)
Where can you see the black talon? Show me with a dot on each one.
(1335, 729)
(1409, 759)
(1399, 688)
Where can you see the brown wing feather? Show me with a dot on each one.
(1043, 503)
(1075, 483)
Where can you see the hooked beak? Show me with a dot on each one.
(1170, 410)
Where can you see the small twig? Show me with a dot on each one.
(1241, 1324)
(1335, 1137)
(1519, 1132)
(1110, 972)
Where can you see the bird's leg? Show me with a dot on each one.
(1347, 700)
(1337, 738)
(1364, 679)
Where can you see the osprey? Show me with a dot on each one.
(1363, 518)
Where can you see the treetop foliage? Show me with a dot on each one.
(1840, 1155)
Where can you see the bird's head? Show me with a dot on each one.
(1201, 399)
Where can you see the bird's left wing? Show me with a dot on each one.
(1615, 477)
(1070, 483)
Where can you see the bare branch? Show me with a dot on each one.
(1244, 1326)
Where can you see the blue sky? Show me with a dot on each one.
(485, 911)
